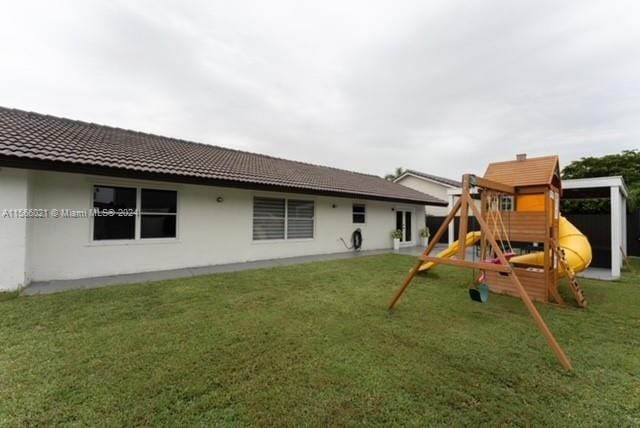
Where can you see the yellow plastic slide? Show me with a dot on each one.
(576, 248)
(451, 250)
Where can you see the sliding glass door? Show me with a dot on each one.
(404, 222)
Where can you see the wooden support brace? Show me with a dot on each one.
(467, 202)
(467, 264)
(556, 296)
(626, 260)
(464, 218)
(494, 185)
(432, 244)
(542, 326)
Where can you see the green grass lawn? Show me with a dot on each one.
(314, 345)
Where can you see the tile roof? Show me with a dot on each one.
(32, 137)
(443, 180)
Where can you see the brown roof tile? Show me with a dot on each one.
(65, 142)
(527, 172)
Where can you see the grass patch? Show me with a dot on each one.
(8, 295)
(314, 345)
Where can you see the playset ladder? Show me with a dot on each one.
(571, 276)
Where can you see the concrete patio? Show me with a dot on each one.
(49, 287)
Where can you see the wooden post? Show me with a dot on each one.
(483, 212)
(551, 340)
(542, 326)
(464, 218)
(626, 259)
(552, 229)
(432, 244)
(546, 266)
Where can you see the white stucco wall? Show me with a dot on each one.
(430, 188)
(14, 195)
(209, 232)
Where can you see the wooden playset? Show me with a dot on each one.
(523, 245)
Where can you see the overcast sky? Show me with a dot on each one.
(440, 86)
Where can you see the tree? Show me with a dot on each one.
(626, 164)
(391, 177)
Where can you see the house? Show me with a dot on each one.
(442, 188)
(80, 200)
(429, 184)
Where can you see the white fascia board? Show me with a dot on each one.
(586, 183)
(405, 174)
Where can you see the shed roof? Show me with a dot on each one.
(540, 171)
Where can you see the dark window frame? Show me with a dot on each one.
(139, 214)
(117, 227)
(362, 213)
(158, 213)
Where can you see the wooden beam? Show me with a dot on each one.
(464, 217)
(432, 244)
(467, 264)
(546, 332)
(626, 259)
(542, 326)
(494, 185)
(546, 244)
(553, 256)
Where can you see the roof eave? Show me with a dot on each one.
(89, 169)
(422, 177)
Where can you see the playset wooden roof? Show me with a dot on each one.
(540, 171)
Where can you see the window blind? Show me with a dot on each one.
(268, 218)
(299, 219)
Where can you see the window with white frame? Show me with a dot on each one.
(299, 219)
(506, 203)
(134, 213)
(279, 218)
(359, 213)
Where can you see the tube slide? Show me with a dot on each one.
(451, 250)
(576, 248)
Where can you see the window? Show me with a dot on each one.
(299, 219)
(276, 218)
(506, 203)
(159, 211)
(114, 226)
(137, 213)
(268, 218)
(359, 213)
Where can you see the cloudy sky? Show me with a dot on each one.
(439, 86)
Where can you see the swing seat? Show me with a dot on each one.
(496, 261)
(479, 294)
